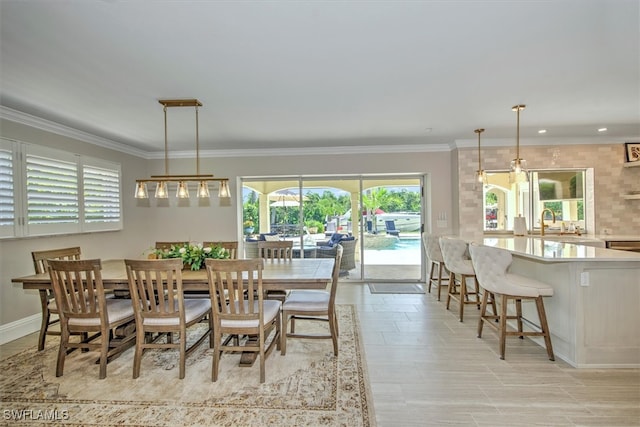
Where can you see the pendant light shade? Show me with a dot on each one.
(223, 191)
(183, 190)
(518, 169)
(161, 190)
(141, 190)
(203, 190)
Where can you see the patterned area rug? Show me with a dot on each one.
(396, 288)
(308, 386)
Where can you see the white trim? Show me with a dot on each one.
(49, 126)
(535, 142)
(20, 328)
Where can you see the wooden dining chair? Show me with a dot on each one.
(239, 313)
(230, 246)
(83, 308)
(161, 309)
(312, 305)
(165, 246)
(47, 300)
(275, 251)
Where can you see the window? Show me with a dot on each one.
(62, 192)
(563, 191)
(7, 205)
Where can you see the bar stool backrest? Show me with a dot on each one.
(491, 265)
(432, 246)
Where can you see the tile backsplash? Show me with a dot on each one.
(611, 180)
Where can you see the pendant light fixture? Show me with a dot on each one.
(182, 191)
(481, 175)
(518, 170)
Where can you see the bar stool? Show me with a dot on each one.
(491, 266)
(432, 247)
(456, 260)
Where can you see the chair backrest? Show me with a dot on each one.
(454, 253)
(165, 246)
(40, 257)
(156, 289)
(78, 289)
(390, 225)
(226, 287)
(335, 275)
(432, 247)
(282, 249)
(491, 265)
(230, 246)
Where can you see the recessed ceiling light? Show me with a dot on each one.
(602, 129)
(428, 130)
(542, 131)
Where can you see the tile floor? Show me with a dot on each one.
(428, 369)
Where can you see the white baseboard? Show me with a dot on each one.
(20, 328)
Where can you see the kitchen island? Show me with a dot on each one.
(594, 314)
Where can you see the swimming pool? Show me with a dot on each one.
(405, 251)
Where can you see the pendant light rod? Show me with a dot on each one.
(517, 109)
(479, 131)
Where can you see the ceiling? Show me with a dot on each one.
(323, 74)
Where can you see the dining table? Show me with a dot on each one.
(278, 274)
(282, 274)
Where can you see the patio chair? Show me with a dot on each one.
(390, 225)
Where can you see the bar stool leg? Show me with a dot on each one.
(545, 327)
(519, 315)
(451, 288)
(483, 312)
(433, 267)
(503, 325)
(440, 268)
(463, 295)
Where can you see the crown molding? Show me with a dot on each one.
(53, 127)
(538, 142)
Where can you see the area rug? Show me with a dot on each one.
(395, 288)
(309, 386)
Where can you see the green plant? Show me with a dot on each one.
(312, 223)
(248, 223)
(193, 255)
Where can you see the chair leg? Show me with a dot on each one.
(503, 326)
(183, 352)
(450, 288)
(216, 356)
(261, 344)
(519, 316)
(137, 357)
(545, 327)
(440, 268)
(62, 350)
(333, 328)
(463, 296)
(483, 312)
(431, 271)
(104, 351)
(283, 334)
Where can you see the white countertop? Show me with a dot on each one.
(555, 251)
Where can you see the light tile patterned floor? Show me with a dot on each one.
(428, 369)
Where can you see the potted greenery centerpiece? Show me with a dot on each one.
(248, 226)
(193, 254)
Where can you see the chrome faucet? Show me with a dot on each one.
(553, 216)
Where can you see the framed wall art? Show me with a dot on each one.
(632, 151)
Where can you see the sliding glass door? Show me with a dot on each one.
(377, 220)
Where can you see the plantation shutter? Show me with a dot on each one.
(52, 195)
(7, 199)
(102, 206)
